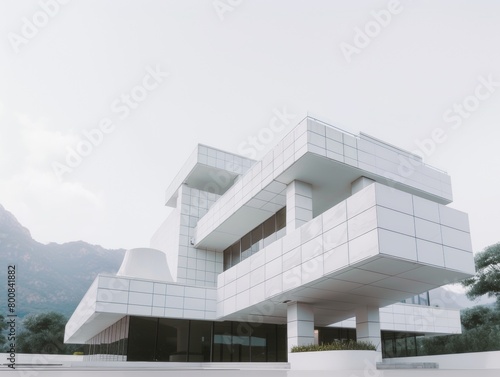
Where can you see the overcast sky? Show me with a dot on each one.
(157, 77)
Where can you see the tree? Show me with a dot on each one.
(477, 316)
(44, 333)
(481, 324)
(481, 332)
(487, 277)
(3, 326)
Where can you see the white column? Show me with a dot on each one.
(298, 205)
(368, 325)
(360, 183)
(300, 324)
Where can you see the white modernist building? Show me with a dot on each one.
(330, 236)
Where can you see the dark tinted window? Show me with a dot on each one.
(227, 258)
(235, 253)
(200, 334)
(246, 246)
(180, 340)
(141, 341)
(269, 230)
(266, 233)
(172, 343)
(222, 342)
(256, 239)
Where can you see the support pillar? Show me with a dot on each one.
(300, 324)
(298, 205)
(368, 325)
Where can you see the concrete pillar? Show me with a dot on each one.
(368, 325)
(300, 324)
(360, 183)
(298, 205)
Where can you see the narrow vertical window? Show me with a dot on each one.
(281, 223)
(269, 228)
(227, 258)
(235, 253)
(256, 239)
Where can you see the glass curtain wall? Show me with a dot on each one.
(421, 299)
(397, 344)
(164, 339)
(110, 344)
(180, 340)
(249, 342)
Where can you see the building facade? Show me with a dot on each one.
(330, 236)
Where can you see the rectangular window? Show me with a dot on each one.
(424, 299)
(235, 253)
(200, 334)
(389, 348)
(400, 347)
(263, 343)
(281, 218)
(246, 246)
(172, 342)
(411, 346)
(269, 228)
(281, 347)
(142, 337)
(222, 342)
(256, 239)
(240, 348)
(227, 258)
(281, 223)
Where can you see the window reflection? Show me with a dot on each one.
(222, 341)
(181, 340)
(172, 342)
(397, 344)
(110, 343)
(256, 235)
(421, 299)
(246, 246)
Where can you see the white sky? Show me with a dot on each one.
(227, 76)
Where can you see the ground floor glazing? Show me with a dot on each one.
(180, 340)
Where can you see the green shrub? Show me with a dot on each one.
(336, 346)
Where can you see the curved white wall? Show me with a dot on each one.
(166, 239)
(145, 263)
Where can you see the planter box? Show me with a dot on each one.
(334, 360)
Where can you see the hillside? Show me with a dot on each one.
(53, 276)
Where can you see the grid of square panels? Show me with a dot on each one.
(376, 220)
(147, 298)
(196, 266)
(413, 318)
(211, 157)
(313, 136)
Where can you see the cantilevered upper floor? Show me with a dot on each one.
(325, 157)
